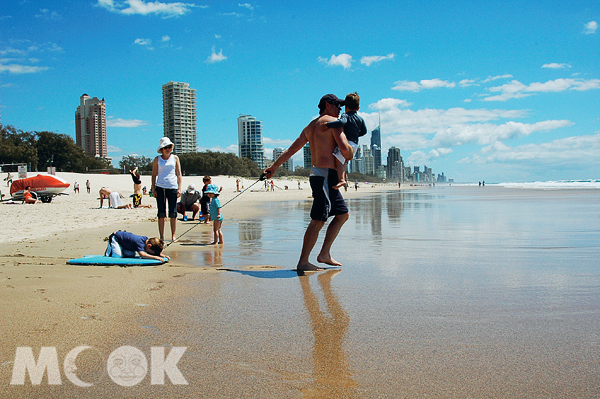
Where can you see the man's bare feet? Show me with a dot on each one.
(340, 184)
(328, 260)
(308, 267)
(173, 239)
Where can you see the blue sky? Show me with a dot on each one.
(496, 91)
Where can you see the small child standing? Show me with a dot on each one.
(123, 244)
(215, 213)
(354, 127)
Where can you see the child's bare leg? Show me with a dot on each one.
(218, 232)
(341, 171)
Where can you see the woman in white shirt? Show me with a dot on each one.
(166, 185)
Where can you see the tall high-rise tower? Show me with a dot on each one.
(250, 144)
(307, 156)
(179, 116)
(376, 137)
(90, 126)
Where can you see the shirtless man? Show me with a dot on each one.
(328, 202)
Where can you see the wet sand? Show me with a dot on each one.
(443, 293)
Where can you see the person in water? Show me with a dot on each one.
(327, 201)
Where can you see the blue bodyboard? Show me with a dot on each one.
(101, 260)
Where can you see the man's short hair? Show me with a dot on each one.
(352, 101)
(206, 178)
(156, 246)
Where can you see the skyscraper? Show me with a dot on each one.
(179, 116)
(376, 147)
(395, 165)
(250, 142)
(307, 156)
(90, 126)
(376, 137)
(287, 165)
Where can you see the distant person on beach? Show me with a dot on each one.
(88, 186)
(76, 187)
(166, 185)
(29, 197)
(356, 186)
(137, 189)
(354, 127)
(215, 213)
(205, 200)
(189, 202)
(123, 244)
(327, 201)
(237, 185)
(8, 179)
(114, 199)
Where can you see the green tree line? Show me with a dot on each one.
(42, 149)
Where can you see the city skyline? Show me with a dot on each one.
(481, 91)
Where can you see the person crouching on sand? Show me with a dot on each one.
(215, 213)
(123, 244)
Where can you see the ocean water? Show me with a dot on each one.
(448, 291)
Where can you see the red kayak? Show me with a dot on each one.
(45, 186)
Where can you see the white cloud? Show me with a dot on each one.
(389, 103)
(344, 60)
(404, 85)
(165, 38)
(429, 121)
(579, 149)
(421, 158)
(492, 78)
(119, 122)
(516, 89)
(467, 82)
(368, 60)
(246, 5)
(22, 69)
(590, 27)
(12, 51)
(443, 129)
(143, 42)
(139, 7)
(486, 133)
(555, 65)
(214, 57)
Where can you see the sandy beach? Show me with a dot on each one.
(444, 292)
(46, 302)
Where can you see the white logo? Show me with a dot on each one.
(126, 366)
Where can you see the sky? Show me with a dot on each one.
(479, 90)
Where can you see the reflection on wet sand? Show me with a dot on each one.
(332, 376)
(214, 256)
